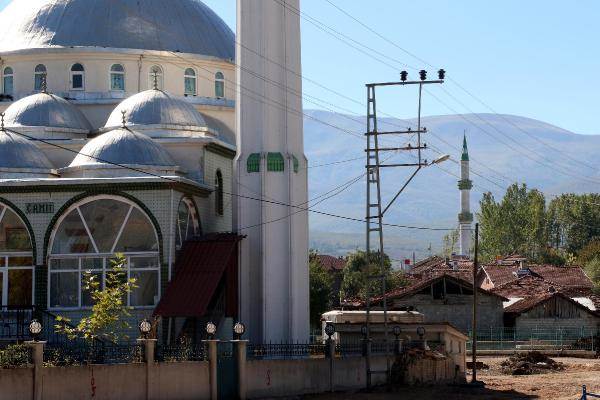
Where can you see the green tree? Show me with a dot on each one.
(516, 224)
(449, 243)
(592, 268)
(109, 315)
(356, 283)
(321, 290)
(574, 221)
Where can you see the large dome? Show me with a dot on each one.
(186, 26)
(48, 111)
(20, 157)
(155, 107)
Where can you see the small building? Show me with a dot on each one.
(448, 298)
(550, 310)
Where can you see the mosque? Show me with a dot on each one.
(145, 127)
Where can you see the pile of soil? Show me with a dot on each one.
(530, 363)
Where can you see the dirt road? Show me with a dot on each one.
(555, 385)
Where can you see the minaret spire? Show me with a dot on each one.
(465, 218)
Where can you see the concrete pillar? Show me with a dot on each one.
(149, 351)
(240, 353)
(212, 359)
(37, 349)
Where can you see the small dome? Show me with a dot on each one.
(124, 147)
(155, 107)
(19, 156)
(48, 111)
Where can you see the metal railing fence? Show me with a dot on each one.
(558, 338)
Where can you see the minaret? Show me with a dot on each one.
(271, 165)
(465, 218)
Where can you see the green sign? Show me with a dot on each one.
(39, 208)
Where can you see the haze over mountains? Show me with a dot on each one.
(544, 156)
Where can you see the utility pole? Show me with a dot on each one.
(375, 210)
(474, 327)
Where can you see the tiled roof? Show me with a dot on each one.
(524, 287)
(331, 263)
(418, 285)
(530, 302)
(566, 277)
(436, 266)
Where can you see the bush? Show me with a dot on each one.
(14, 356)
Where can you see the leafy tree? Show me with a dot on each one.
(450, 241)
(110, 312)
(589, 252)
(321, 289)
(574, 221)
(516, 224)
(592, 268)
(359, 267)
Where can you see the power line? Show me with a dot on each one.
(227, 193)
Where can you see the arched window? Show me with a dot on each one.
(117, 77)
(77, 77)
(219, 85)
(8, 81)
(187, 222)
(40, 77)
(219, 206)
(86, 238)
(156, 77)
(16, 260)
(190, 82)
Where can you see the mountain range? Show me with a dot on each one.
(503, 149)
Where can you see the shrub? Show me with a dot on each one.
(17, 355)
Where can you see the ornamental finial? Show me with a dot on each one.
(2, 122)
(123, 118)
(155, 80)
(44, 83)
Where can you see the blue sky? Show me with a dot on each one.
(534, 58)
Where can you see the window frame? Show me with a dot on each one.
(193, 77)
(12, 78)
(219, 194)
(73, 73)
(37, 73)
(5, 268)
(106, 256)
(219, 85)
(111, 72)
(195, 220)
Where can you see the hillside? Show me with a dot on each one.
(568, 164)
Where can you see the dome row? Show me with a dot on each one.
(117, 145)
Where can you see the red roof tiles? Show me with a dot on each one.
(331, 263)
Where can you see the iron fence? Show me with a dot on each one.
(559, 338)
(181, 352)
(71, 354)
(286, 351)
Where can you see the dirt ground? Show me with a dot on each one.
(554, 385)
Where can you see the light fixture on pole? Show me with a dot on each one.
(329, 330)
(145, 327)
(35, 329)
(441, 159)
(238, 330)
(211, 330)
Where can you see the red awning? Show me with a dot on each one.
(200, 267)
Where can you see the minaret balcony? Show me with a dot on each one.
(465, 218)
(465, 184)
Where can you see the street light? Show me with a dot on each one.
(397, 331)
(211, 329)
(35, 328)
(329, 329)
(145, 327)
(239, 329)
(441, 159)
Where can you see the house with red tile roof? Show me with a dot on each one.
(335, 266)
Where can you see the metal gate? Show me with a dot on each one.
(227, 376)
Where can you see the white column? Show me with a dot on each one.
(274, 255)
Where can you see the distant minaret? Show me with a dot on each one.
(271, 165)
(465, 218)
